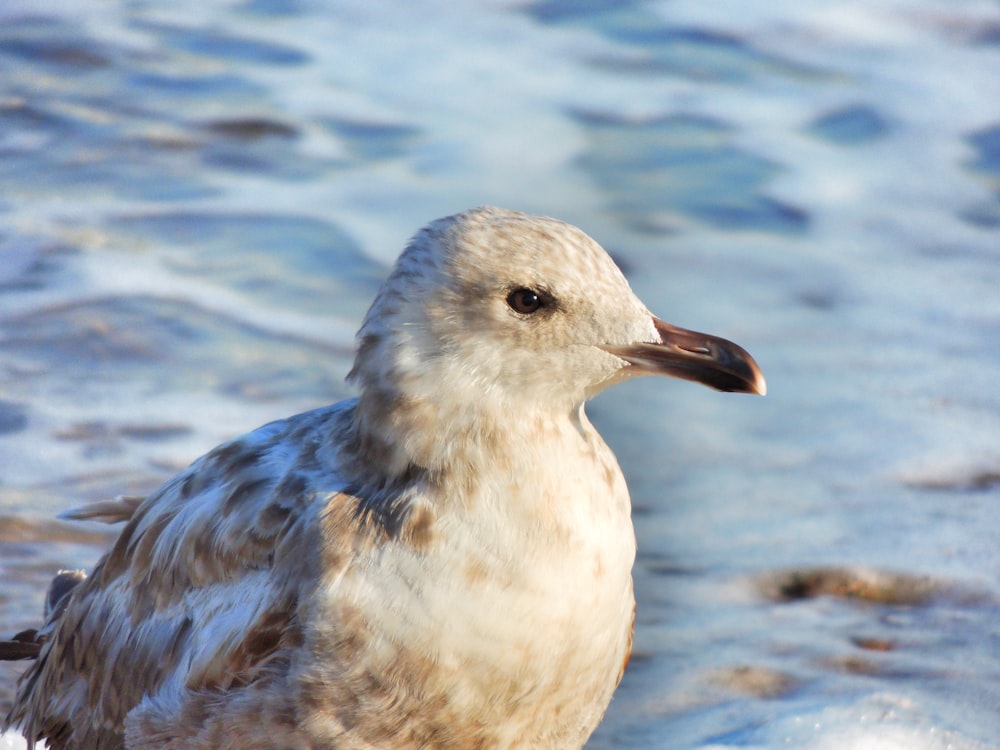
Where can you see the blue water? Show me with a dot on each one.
(197, 202)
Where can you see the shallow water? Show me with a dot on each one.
(197, 203)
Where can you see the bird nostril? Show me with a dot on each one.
(701, 349)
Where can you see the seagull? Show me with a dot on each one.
(443, 561)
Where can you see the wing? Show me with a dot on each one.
(122, 508)
(202, 591)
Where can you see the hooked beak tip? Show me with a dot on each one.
(699, 357)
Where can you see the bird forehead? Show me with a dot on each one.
(526, 249)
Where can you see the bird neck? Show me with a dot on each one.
(457, 439)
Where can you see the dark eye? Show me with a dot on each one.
(525, 301)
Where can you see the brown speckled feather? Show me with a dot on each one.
(201, 591)
(443, 562)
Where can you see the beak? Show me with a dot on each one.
(689, 355)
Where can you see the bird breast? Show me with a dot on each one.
(516, 605)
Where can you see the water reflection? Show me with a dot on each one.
(198, 203)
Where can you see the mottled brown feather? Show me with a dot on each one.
(443, 562)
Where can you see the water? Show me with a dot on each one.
(197, 202)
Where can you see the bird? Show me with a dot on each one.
(443, 561)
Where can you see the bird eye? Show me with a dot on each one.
(525, 301)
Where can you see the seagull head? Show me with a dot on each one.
(493, 312)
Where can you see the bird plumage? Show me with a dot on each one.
(442, 562)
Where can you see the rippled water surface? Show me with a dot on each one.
(198, 200)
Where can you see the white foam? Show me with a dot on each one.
(877, 722)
